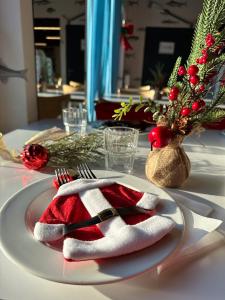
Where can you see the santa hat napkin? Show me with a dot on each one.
(84, 198)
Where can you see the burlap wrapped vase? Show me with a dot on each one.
(168, 166)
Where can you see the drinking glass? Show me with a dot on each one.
(120, 148)
(75, 119)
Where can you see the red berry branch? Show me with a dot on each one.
(191, 85)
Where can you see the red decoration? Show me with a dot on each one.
(69, 209)
(196, 106)
(209, 40)
(160, 136)
(174, 90)
(201, 88)
(203, 60)
(34, 156)
(182, 71)
(192, 70)
(202, 103)
(194, 79)
(127, 29)
(185, 111)
(172, 96)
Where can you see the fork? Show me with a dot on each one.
(84, 171)
(62, 176)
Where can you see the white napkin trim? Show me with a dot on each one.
(48, 232)
(81, 185)
(127, 239)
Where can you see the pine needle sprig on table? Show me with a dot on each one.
(72, 149)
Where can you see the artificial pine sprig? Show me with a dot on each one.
(173, 77)
(71, 149)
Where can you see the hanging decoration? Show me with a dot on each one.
(126, 32)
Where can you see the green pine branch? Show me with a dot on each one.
(173, 77)
(213, 115)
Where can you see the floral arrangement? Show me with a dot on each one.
(191, 83)
(55, 148)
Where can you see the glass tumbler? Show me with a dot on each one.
(120, 145)
(75, 119)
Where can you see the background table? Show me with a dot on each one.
(201, 279)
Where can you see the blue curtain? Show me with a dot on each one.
(103, 44)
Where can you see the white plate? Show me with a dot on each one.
(19, 214)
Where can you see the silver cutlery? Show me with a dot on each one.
(84, 171)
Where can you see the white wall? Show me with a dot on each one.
(66, 9)
(144, 15)
(17, 97)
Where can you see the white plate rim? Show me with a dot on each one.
(86, 282)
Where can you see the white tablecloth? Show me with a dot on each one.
(201, 279)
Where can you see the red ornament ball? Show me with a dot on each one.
(194, 79)
(160, 136)
(192, 70)
(185, 111)
(182, 71)
(34, 156)
(196, 106)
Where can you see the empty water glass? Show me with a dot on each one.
(75, 119)
(120, 148)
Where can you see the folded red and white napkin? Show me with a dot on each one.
(81, 199)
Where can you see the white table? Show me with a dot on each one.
(202, 279)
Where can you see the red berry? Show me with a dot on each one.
(174, 90)
(181, 71)
(196, 106)
(209, 40)
(204, 51)
(209, 36)
(201, 88)
(201, 60)
(204, 60)
(210, 43)
(172, 96)
(202, 103)
(194, 79)
(197, 60)
(192, 70)
(160, 136)
(185, 111)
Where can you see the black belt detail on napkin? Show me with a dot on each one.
(105, 215)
